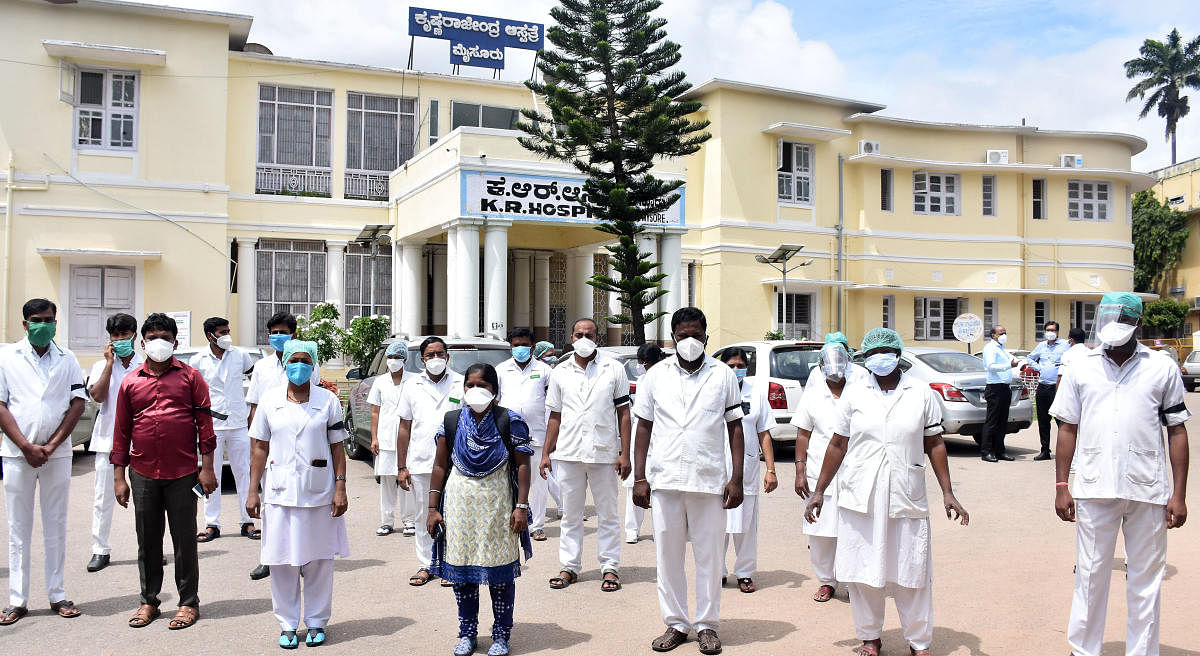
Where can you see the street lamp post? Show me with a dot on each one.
(372, 235)
(778, 260)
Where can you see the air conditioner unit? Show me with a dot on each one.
(1070, 161)
(866, 147)
(997, 157)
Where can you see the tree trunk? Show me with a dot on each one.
(637, 325)
(1172, 147)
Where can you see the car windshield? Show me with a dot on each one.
(953, 363)
(793, 363)
(1194, 356)
(631, 367)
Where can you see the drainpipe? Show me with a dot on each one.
(10, 189)
(840, 228)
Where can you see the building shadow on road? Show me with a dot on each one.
(340, 565)
(945, 641)
(548, 636)
(373, 627)
(736, 631)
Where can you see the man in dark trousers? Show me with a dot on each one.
(1047, 358)
(998, 395)
(163, 418)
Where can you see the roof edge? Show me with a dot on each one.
(716, 83)
(1136, 144)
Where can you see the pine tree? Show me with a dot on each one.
(612, 111)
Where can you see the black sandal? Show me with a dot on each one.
(251, 532)
(610, 585)
(420, 578)
(209, 534)
(560, 582)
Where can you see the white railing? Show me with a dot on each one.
(366, 186)
(293, 180)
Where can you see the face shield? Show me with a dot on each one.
(835, 361)
(1114, 326)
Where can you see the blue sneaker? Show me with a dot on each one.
(499, 647)
(288, 640)
(315, 637)
(465, 647)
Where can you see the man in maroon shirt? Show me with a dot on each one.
(162, 413)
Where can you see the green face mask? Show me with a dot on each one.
(41, 334)
(123, 347)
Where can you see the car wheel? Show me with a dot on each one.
(354, 450)
(1191, 388)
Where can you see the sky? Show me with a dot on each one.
(1058, 65)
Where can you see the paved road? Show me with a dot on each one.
(1002, 585)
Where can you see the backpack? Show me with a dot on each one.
(500, 416)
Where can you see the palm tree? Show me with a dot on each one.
(1167, 68)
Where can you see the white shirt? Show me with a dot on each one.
(224, 377)
(300, 435)
(102, 428)
(887, 445)
(756, 418)
(268, 374)
(587, 400)
(1120, 452)
(818, 414)
(1078, 350)
(426, 403)
(524, 392)
(38, 391)
(689, 411)
(386, 395)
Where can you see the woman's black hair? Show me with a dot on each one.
(488, 373)
(650, 354)
(431, 340)
(735, 352)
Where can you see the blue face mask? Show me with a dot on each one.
(522, 353)
(278, 340)
(299, 372)
(740, 372)
(882, 364)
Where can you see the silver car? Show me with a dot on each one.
(959, 381)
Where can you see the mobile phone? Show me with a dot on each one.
(320, 462)
(438, 531)
(199, 491)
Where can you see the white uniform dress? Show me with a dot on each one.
(818, 413)
(103, 497)
(523, 390)
(883, 519)
(1122, 482)
(386, 396)
(741, 523)
(224, 376)
(300, 537)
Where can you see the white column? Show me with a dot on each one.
(541, 295)
(685, 283)
(412, 281)
(335, 275)
(439, 292)
(520, 298)
(452, 266)
(495, 266)
(648, 243)
(579, 293)
(614, 309)
(247, 289)
(398, 289)
(465, 293)
(670, 255)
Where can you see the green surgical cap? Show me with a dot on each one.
(1130, 303)
(882, 338)
(837, 338)
(294, 345)
(398, 347)
(541, 349)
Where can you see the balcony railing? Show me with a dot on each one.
(293, 180)
(366, 186)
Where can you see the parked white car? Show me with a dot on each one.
(783, 366)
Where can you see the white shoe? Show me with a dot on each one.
(631, 538)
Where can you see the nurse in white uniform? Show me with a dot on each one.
(741, 523)
(886, 428)
(303, 478)
(384, 399)
(648, 355)
(815, 421)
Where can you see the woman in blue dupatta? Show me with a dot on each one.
(479, 509)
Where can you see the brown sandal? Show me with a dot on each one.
(867, 649)
(144, 615)
(66, 609)
(709, 642)
(824, 594)
(184, 617)
(610, 584)
(12, 615)
(559, 582)
(669, 640)
(918, 652)
(746, 585)
(420, 578)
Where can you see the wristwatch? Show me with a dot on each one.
(523, 506)
(338, 478)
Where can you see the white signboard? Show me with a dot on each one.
(536, 197)
(184, 321)
(968, 328)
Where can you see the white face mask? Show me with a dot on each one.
(159, 350)
(1051, 335)
(690, 349)
(225, 342)
(882, 364)
(1116, 334)
(1003, 339)
(479, 398)
(584, 348)
(435, 366)
(395, 364)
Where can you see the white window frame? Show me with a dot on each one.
(797, 328)
(378, 299)
(435, 108)
(988, 194)
(889, 311)
(360, 126)
(991, 313)
(104, 309)
(933, 188)
(479, 115)
(1089, 200)
(802, 171)
(1079, 314)
(275, 102)
(106, 110)
(924, 319)
(315, 250)
(1041, 314)
(887, 190)
(1040, 212)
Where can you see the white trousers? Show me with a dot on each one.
(422, 542)
(234, 443)
(679, 518)
(102, 505)
(634, 516)
(316, 592)
(21, 482)
(539, 490)
(913, 605)
(823, 552)
(574, 479)
(389, 492)
(745, 544)
(1144, 525)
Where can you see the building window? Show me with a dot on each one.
(434, 120)
(889, 312)
(97, 292)
(885, 190)
(989, 195)
(933, 318)
(793, 315)
(106, 109)
(380, 135)
(1083, 315)
(1039, 198)
(795, 173)
(1040, 317)
(474, 115)
(990, 306)
(294, 127)
(1128, 205)
(935, 193)
(368, 282)
(290, 278)
(1087, 200)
